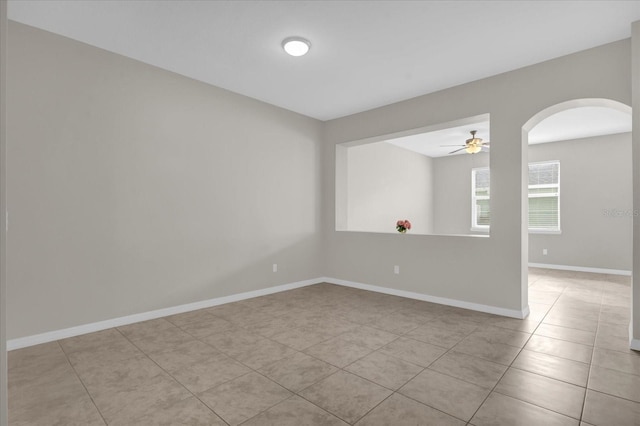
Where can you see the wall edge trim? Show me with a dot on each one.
(580, 269)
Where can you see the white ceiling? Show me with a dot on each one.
(431, 143)
(364, 54)
(579, 123)
(575, 123)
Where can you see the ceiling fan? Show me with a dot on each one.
(472, 145)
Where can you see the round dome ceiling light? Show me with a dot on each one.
(296, 46)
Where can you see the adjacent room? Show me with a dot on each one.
(319, 213)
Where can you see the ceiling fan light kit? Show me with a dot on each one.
(473, 145)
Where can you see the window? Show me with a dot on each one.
(480, 198)
(544, 197)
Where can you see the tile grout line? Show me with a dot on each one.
(171, 375)
(421, 371)
(82, 383)
(593, 350)
(519, 352)
(563, 293)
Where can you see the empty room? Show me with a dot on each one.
(319, 212)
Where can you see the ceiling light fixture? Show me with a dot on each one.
(473, 149)
(296, 46)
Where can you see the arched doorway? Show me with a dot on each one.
(589, 178)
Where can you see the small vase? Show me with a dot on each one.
(402, 231)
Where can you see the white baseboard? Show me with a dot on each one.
(434, 299)
(51, 336)
(581, 269)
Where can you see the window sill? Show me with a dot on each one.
(531, 231)
(545, 231)
(484, 230)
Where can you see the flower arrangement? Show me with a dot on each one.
(402, 226)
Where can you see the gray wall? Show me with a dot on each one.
(493, 267)
(452, 195)
(595, 175)
(133, 189)
(386, 183)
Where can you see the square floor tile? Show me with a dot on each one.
(163, 341)
(372, 338)
(338, 352)
(481, 347)
(398, 410)
(188, 411)
(346, 395)
(501, 410)
(244, 397)
(603, 410)
(295, 411)
(560, 348)
(413, 351)
(53, 397)
(262, 353)
(184, 355)
(106, 377)
(568, 334)
(146, 328)
(209, 373)
(66, 409)
(615, 383)
(300, 338)
(614, 343)
(398, 322)
(470, 369)
(191, 317)
(561, 397)
(138, 398)
(525, 325)
(207, 326)
(385, 370)
(233, 342)
(36, 356)
(572, 322)
(439, 336)
(502, 335)
(298, 371)
(563, 369)
(445, 393)
(628, 362)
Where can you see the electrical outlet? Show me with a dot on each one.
(275, 267)
(396, 269)
(544, 252)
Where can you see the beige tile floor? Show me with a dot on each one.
(330, 355)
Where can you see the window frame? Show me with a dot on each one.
(557, 229)
(475, 227)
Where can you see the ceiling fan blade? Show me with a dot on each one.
(453, 145)
(453, 152)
